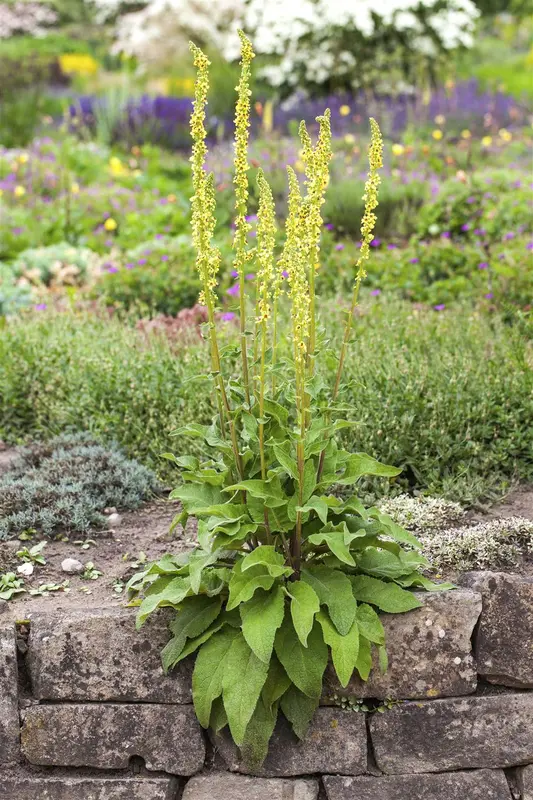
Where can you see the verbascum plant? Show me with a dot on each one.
(286, 576)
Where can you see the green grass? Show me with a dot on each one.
(448, 397)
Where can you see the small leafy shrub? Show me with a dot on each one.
(500, 543)
(57, 265)
(157, 276)
(14, 295)
(421, 514)
(64, 485)
(285, 573)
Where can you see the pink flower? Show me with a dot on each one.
(233, 290)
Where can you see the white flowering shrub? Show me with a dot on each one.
(317, 45)
(330, 44)
(422, 514)
(27, 18)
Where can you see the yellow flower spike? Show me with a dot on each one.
(437, 135)
(266, 242)
(203, 200)
(293, 261)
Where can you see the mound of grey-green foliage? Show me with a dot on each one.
(65, 484)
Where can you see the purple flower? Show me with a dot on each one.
(489, 295)
(414, 260)
(375, 243)
(111, 268)
(286, 274)
(17, 231)
(470, 199)
(339, 246)
(40, 307)
(375, 292)
(509, 235)
(159, 236)
(483, 265)
(164, 258)
(227, 316)
(329, 226)
(445, 234)
(141, 262)
(439, 307)
(392, 246)
(233, 290)
(130, 265)
(465, 227)
(234, 273)
(250, 276)
(529, 246)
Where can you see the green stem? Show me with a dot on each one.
(261, 417)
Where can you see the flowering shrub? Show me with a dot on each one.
(55, 266)
(25, 18)
(286, 574)
(324, 44)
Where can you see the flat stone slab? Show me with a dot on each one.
(429, 649)
(336, 742)
(503, 655)
(477, 785)
(526, 779)
(9, 713)
(68, 788)
(98, 655)
(482, 732)
(168, 738)
(221, 786)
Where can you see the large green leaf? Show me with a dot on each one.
(171, 595)
(318, 504)
(304, 605)
(305, 666)
(243, 585)
(391, 528)
(359, 464)
(334, 590)
(198, 561)
(197, 495)
(364, 658)
(254, 748)
(299, 710)
(370, 625)
(267, 556)
(270, 492)
(282, 453)
(386, 596)
(381, 563)
(208, 673)
(219, 718)
(261, 617)
(276, 684)
(193, 618)
(344, 649)
(244, 677)
(309, 480)
(337, 539)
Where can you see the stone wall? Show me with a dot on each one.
(91, 716)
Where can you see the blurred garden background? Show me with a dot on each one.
(100, 330)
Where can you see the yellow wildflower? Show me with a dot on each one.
(344, 111)
(242, 134)
(19, 191)
(437, 135)
(440, 119)
(110, 224)
(466, 134)
(398, 149)
(116, 167)
(486, 141)
(505, 134)
(293, 261)
(75, 188)
(375, 162)
(23, 158)
(78, 64)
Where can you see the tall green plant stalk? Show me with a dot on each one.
(240, 181)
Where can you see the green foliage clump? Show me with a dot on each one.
(13, 295)
(65, 484)
(57, 264)
(157, 276)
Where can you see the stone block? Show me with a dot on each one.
(98, 655)
(429, 649)
(336, 742)
(504, 638)
(221, 786)
(482, 732)
(526, 783)
(168, 738)
(33, 787)
(476, 785)
(9, 713)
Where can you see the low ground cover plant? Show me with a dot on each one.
(286, 574)
(64, 485)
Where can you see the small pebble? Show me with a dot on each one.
(25, 569)
(457, 661)
(110, 510)
(72, 566)
(114, 519)
(442, 633)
